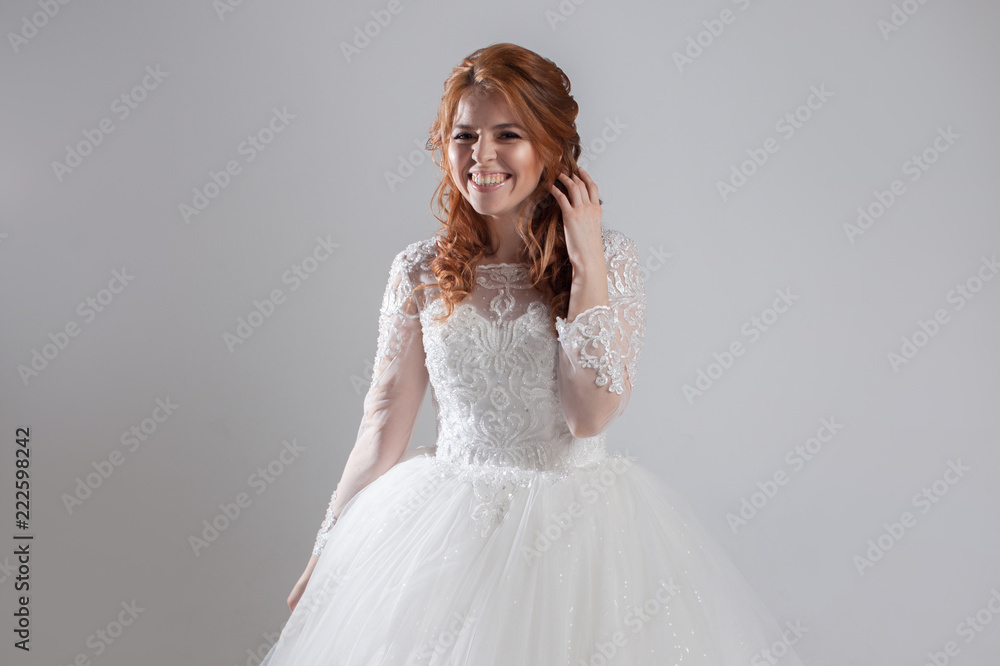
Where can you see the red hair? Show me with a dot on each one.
(539, 93)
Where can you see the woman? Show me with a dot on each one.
(517, 538)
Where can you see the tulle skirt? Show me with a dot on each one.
(601, 565)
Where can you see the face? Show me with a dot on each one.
(486, 140)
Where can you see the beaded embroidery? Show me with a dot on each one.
(493, 366)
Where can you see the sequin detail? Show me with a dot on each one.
(324, 531)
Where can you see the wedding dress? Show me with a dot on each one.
(514, 538)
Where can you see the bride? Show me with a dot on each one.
(515, 537)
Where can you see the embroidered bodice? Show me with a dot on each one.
(505, 383)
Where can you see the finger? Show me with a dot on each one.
(572, 189)
(591, 185)
(561, 199)
(582, 193)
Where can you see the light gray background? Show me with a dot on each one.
(302, 373)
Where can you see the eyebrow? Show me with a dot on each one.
(500, 126)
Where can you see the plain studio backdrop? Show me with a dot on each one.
(201, 202)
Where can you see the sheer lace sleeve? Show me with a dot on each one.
(399, 382)
(604, 343)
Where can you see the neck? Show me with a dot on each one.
(506, 241)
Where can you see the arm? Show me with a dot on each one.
(399, 382)
(600, 340)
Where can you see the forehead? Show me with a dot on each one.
(476, 107)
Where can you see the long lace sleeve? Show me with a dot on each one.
(399, 382)
(603, 344)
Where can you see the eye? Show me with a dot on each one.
(461, 136)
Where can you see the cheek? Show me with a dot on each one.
(457, 158)
(527, 162)
(454, 167)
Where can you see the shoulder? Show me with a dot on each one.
(410, 267)
(418, 252)
(620, 252)
(616, 242)
(414, 259)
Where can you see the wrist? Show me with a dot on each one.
(591, 264)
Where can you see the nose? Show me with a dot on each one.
(483, 150)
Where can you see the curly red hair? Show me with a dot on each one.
(539, 93)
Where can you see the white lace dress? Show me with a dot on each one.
(516, 538)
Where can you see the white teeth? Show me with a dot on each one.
(489, 180)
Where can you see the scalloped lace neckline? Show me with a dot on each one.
(502, 264)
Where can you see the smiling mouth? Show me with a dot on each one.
(487, 182)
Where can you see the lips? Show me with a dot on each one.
(488, 182)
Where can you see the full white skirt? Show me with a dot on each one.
(604, 566)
